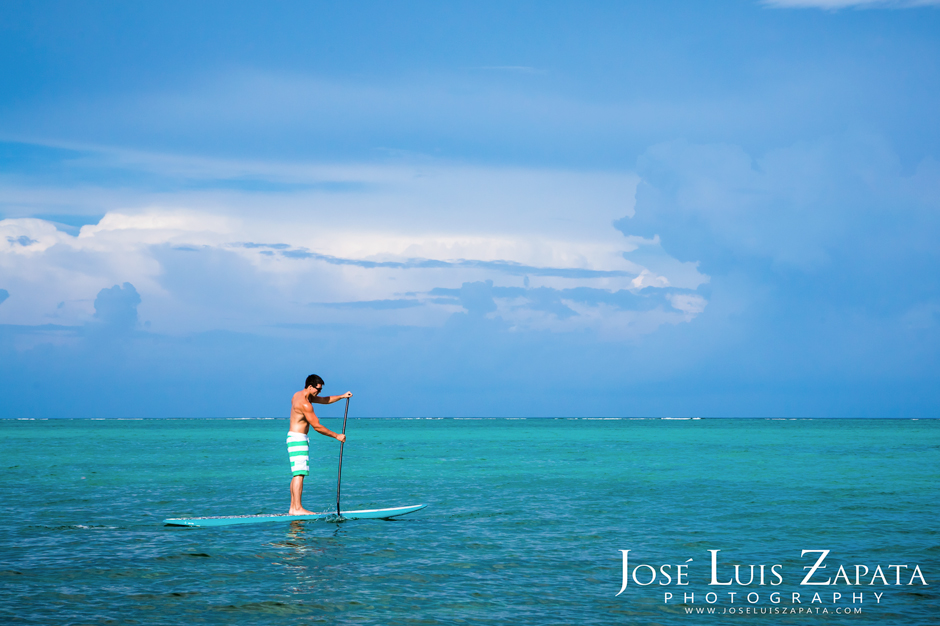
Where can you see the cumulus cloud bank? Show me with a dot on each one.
(823, 248)
(381, 248)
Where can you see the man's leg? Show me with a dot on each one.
(296, 494)
(297, 447)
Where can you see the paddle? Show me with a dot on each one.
(339, 472)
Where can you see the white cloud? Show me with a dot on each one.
(204, 259)
(690, 304)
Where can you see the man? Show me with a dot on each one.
(302, 418)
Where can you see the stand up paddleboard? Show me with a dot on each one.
(259, 519)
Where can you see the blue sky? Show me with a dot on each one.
(457, 209)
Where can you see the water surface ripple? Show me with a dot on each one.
(525, 524)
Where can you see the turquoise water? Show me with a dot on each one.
(525, 524)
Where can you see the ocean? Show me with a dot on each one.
(527, 523)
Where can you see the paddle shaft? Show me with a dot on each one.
(339, 472)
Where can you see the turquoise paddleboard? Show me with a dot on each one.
(259, 519)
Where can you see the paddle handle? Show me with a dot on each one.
(339, 472)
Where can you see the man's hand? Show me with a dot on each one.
(341, 438)
(348, 394)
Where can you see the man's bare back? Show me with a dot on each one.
(302, 418)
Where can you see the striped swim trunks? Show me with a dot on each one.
(298, 448)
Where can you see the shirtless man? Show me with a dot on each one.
(302, 418)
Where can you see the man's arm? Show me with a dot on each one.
(320, 428)
(331, 399)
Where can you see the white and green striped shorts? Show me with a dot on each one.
(298, 447)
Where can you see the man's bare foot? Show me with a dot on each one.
(300, 511)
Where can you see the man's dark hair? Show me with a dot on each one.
(313, 380)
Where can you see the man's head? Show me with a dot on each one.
(314, 381)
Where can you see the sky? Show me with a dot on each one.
(612, 209)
